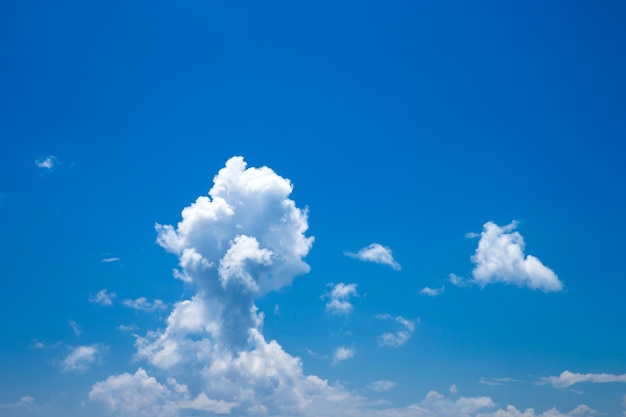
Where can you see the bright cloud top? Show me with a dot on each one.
(376, 253)
(567, 379)
(339, 298)
(500, 258)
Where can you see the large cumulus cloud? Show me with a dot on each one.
(243, 240)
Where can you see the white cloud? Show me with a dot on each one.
(343, 353)
(81, 358)
(126, 328)
(500, 258)
(399, 338)
(75, 327)
(25, 401)
(339, 298)
(141, 395)
(376, 253)
(103, 298)
(143, 304)
(458, 281)
(47, 162)
(109, 260)
(495, 381)
(580, 411)
(567, 379)
(382, 385)
(245, 239)
(453, 389)
(432, 292)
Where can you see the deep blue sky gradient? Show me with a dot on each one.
(404, 123)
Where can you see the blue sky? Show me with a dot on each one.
(438, 229)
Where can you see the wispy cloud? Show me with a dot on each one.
(381, 385)
(339, 298)
(75, 327)
(399, 338)
(567, 379)
(458, 281)
(376, 253)
(495, 381)
(81, 358)
(25, 401)
(143, 304)
(510, 411)
(103, 298)
(500, 258)
(109, 260)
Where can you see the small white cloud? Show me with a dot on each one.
(125, 328)
(109, 260)
(567, 379)
(500, 258)
(339, 298)
(453, 389)
(103, 298)
(580, 411)
(399, 338)
(75, 327)
(25, 401)
(47, 162)
(432, 292)
(276, 310)
(81, 358)
(343, 353)
(495, 381)
(458, 281)
(143, 304)
(382, 385)
(472, 235)
(376, 253)
(434, 395)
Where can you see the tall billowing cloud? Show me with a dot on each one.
(500, 258)
(244, 239)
